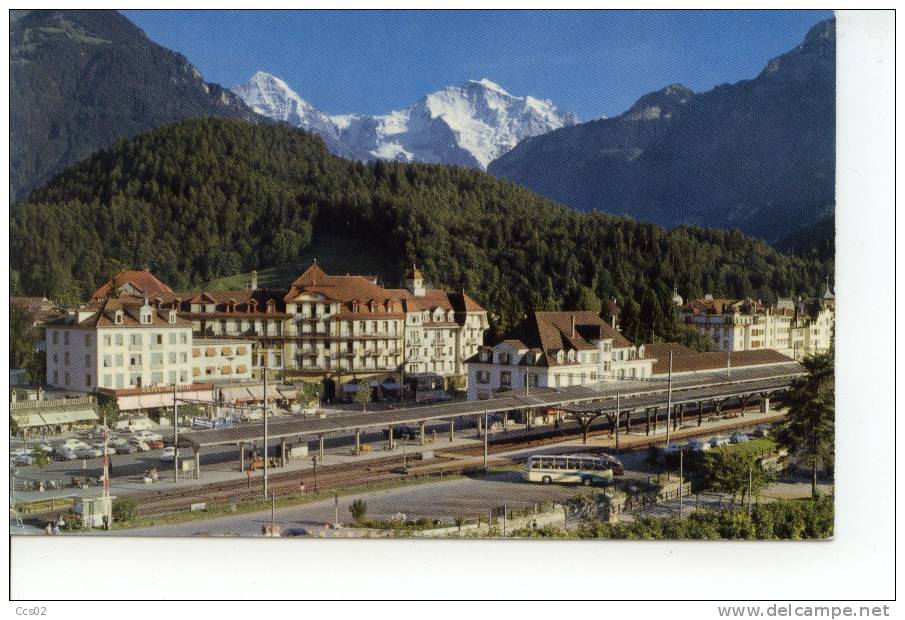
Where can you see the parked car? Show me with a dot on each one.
(169, 454)
(696, 445)
(148, 435)
(23, 459)
(88, 452)
(46, 447)
(293, 532)
(762, 431)
(64, 453)
(74, 444)
(614, 463)
(141, 446)
(740, 438)
(126, 448)
(719, 440)
(23, 451)
(154, 444)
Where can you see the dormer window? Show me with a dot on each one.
(355, 308)
(270, 307)
(172, 317)
(118, 317)
(571, 356)
(560, 357)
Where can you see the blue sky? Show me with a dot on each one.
(592, 63)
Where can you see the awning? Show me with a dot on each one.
(242, 368)
(235, 394)
(241, 350)
(226, 370)
(49, 418)
(392, 384)
(210, 352)
(287, 393)
(196, 372)
(227, 351)
(196, 352)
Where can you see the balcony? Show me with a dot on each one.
(157, 347)
(135, 347)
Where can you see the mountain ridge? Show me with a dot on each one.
(61, 63)
(470, 124)
(758, 155)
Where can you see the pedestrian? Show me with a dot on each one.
(302, 485)
(56, 530)
(109, 467)
(48, 531)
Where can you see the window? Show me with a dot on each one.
(56, 376)
(66, 358)
(184, 357)
(56, 359)
(506, 379)
(503, 358)
(119, 380)
(134, 361)
(87, 380)
(108, 361)
(118, 317)
(183, 376)
(66, 378)
(65, 337)
(55, 337)
(135, 339)
(156, 378)
(172, 376)
(107, 341)
(156, 338)
(87, 360)
(172, 357)
(119, 360)
(87, 340)
(183, 338)
(483, 376)
(108, 381)
(118, 340)
(172, 338)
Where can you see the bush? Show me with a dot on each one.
(358, 509)
(124, 509)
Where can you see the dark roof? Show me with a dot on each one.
(718, 360)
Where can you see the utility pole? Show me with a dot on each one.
(669, 397)
(314, 461)
(681, 478)
(265, 431)
(273, 502)
(175, 437)
(617, 422)
(336, 510)
(485, 440)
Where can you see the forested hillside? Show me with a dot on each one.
(211, 197)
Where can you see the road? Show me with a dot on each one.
(464, 497)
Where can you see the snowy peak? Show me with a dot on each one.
(471, 124)
(270, 96)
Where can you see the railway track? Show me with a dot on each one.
(452, 460)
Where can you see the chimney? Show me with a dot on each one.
(613, 321)
(573, 326)
(254, 279)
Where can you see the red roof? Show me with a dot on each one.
(142, 281)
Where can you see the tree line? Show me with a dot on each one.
(206, 198)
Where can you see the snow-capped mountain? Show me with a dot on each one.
(469, 125)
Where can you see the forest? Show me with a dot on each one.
(206, 198)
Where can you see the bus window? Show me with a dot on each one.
(535, 464)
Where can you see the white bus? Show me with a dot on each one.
(575, 468)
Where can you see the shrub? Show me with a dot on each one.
(124, 509)
(358, 509)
